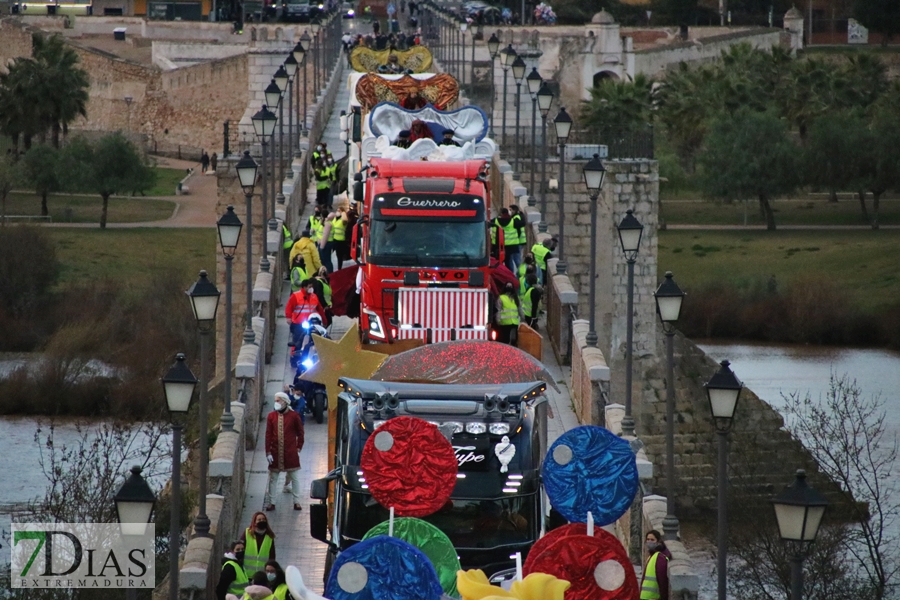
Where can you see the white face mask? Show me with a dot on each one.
(270, 576)
(279, 406)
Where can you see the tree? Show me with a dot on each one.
(9, 176)
(619, 103)
(880, 16)
(749, 155)
(882, 163)
(848, 437)
(836, 153)
(23, 94)
(108, 166)
(70, 84)
(41, 171)
(684, 105)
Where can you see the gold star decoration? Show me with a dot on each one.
(344, 358)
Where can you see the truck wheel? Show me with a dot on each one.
(329, 562)
(319, 407)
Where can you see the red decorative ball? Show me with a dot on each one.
(410, 465)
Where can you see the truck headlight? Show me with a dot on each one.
(476, 428)
(457, 427)
(498, 428)
(375, 329)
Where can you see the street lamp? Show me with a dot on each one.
(594, 173)
(246, 170)
(134, 504)
(302, 48)
(205, 302)
(723, 390)
(534, 81)
(518, 69)
(178, 385)
(630, 231)
(544, 100)
(493, 45)
(563, 124)
(463, 26)
(507, 58)
(798, 510)
(474, 31)
(668, 306)
(264, 126)
(290, 66)
(229, 226)
(314, 27)
(281, 80)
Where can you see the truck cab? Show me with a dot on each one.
(491, 514)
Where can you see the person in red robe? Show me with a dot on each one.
(284, 440)
(414, 101)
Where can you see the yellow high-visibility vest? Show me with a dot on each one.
(240, 578)
(650, 585)
(509, 311)
(255, 559)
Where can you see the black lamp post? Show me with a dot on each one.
(668, 306)
(281, 80)
(799, 509)
(563, 124)
(544, 100)
(723, 391)
(229, 226)
(463, 26)
(630, 231)
(302, 48)
(134, 505)
(264, 126)
(474, 31)
(205, 302)
(534, 81)
(507, 58)
(314, 27)
(493, 45)
(246, 170)
(518, 69)
(273, 99)
(291, 65)
(178, 385)
(594, 174)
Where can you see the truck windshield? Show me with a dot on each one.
(474, 523)
(434, 243)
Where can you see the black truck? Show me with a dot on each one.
(491, 514)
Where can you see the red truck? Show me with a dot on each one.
(424, 247)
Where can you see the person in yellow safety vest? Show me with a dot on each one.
(510, 238)
(317, 223)
(531, 300)
(322, 276)
(655, 583)
(333, 177)
(233, 579)
(541, 253)
(520, 222)
(307, 248)
(320, 152)
(508, 314)
(276, 580)
(259, 543)
(298, 273)
(523, 270)
(323, 182)
(286, 244)
(339, 237)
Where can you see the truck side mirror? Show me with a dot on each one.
(318, 522)
(318, 489)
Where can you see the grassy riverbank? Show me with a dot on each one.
(789, 286)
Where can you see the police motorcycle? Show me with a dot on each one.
(303, 357)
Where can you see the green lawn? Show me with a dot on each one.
(816, 210)
(166, 181)
(66, 208)
(865, 263)
(132, 255)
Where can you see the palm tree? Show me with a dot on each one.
(69, 83)
(22, 98)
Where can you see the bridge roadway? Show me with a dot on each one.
(293, 543)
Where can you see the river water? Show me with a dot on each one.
(776, 371)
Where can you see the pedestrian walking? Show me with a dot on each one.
(204, 162)
(323, 182)
(284, 441)
(655, 583)
(305, 246)
(298, 273)
(232, 579)
(340, 226)
(213, 161)
(287, 242)
(412, 8)
(531, 300)
(542, 252)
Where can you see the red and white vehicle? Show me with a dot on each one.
(424, 247)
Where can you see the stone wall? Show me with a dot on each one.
(16, 41)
